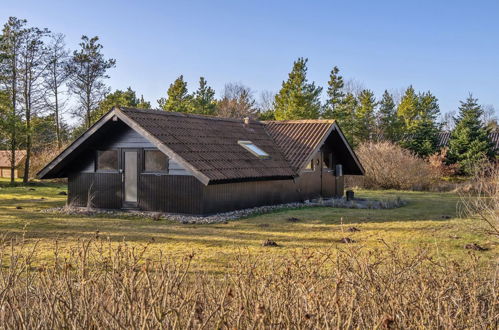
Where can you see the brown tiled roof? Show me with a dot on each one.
(298, 139)
(444, 137)
(5, 156)
(210, 144)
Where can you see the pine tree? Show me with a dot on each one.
(388, 123)
(469, 142)
(335, 93)
(204, 101)
(298, 99)
(87, 68)
(407, 109)
(421, 128)
(364, 116)
(178, 99)
(346, 116)
(119, 98)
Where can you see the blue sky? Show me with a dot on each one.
(448, 47)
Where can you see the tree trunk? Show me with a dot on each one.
(56, 95)
(28, 146)
(27, 104)
(13, 132)
(88, 110)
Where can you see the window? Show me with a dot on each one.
(107, 160)
(155, 161)
(310, 166)
(327, 160)
(251, 147)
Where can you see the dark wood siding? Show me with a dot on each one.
(104, 189)
(240, 195)
(170, 193)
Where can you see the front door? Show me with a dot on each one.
(327, 175)
(130, 177)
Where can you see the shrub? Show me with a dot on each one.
(96, 285)
(41, 158)
(438, 163)
(389, 166)
(482, 198)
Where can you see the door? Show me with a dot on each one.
(130, 178)
(327, 175)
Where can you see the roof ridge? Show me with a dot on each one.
(300, 121)
(188, 115)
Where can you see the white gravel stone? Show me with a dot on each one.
(233, 215)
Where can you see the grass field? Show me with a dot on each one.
(429, 220)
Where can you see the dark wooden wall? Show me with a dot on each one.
(104, 190)
(170, 193)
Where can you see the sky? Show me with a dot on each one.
(448, 47)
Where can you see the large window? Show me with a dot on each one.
(155, 161)
(251, 147)
(107, 160)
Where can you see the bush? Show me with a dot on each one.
(41, 158)
(95, 285)
(389, 166)
(482, 198)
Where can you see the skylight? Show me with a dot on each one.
(251, 147)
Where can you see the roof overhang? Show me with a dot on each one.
(49, 171)
(334, 127)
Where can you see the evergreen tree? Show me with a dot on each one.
(298, 99)
(87, 69)
(346, 116)
(11, 40)
(204, 101)
(407, 109)
(388, 123)
(470, 142)
(364, 116)
(335, 93)
(421, 128)
(119, 98)
(178, 99)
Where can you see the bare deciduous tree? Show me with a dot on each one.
(448, 120)
(32, 58)
(354, 87)
(55, 78)
(237, 102)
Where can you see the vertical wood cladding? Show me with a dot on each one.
(103, 188)
(170, 193)
(185, 194)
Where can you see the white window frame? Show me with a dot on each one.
(254, 149)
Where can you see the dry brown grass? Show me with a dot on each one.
(95, 285)
(389, 166)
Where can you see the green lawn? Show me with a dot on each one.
(422, 223)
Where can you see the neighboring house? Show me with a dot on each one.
(5, 162)
(181, 163)
(444, 137)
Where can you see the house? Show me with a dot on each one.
(5, 163)
(444, 138)
(183, 163)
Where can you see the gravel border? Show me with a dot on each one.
(233, 215)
